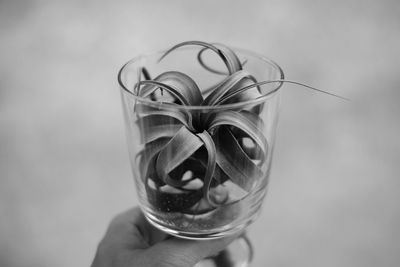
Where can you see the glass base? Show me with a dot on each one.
(201, 235)
(238, 254)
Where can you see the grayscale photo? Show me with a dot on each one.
(199, 133)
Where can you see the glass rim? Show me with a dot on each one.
(169, 105)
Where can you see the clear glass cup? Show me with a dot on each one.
(173, 194)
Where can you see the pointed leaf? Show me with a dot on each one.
(236, 94)
(186, 86)
(256, 152)
(157, 126)
(169, 111)
(146, 74)
(280, 82)
(227, 55)
(234, 161)
(149, 153)
(211, 162)
(204, 65)
(220, 177)
(231, 58)
(179, 85)
(249, 125)
(178, 149)
(229, 83)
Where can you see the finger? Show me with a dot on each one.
(130, 228)
(182, 253)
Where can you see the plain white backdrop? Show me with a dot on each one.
(64, 168)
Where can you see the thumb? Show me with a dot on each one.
(183, 253)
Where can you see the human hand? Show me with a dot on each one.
(131, 241)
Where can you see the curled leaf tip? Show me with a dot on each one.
(225, 53)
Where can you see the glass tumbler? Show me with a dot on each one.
(201, 172)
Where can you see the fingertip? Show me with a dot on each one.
(181, 252)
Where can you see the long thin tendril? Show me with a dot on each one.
(276, 89)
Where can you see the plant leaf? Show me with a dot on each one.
(255, 119)
(242, 121)
(227, 55)
(171, 200)
(183, 116)
(214, 146)
(231, 58)
(211, 162)
(205, 66)
(181, 86)
(234, 161)
(178, 149)
(146, 74)
(220, 177)
(229, 83)
(157, 126)
(257, 152)
(185, 84)
(241, 96)
(278, 87)
(149, 153)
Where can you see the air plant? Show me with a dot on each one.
(187, 154)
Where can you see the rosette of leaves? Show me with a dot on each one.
(188, 153)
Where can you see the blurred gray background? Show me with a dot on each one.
(64, 171)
